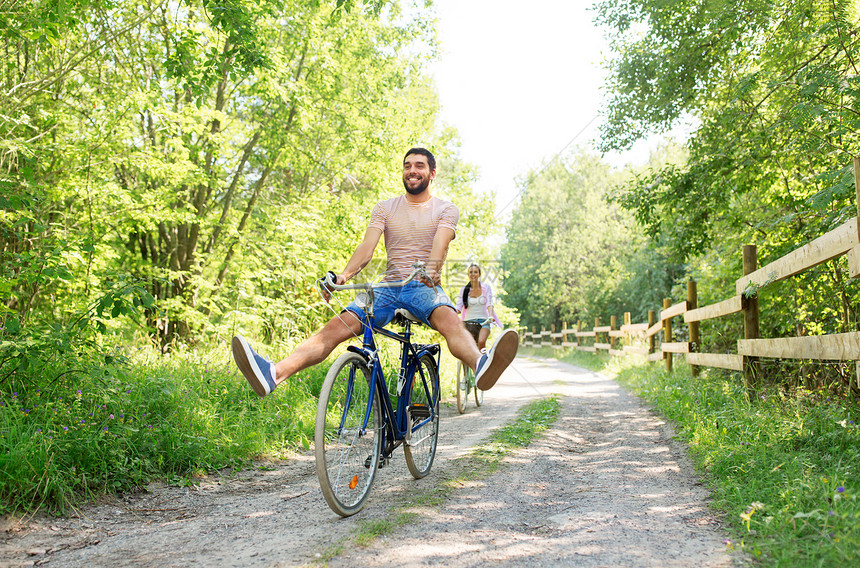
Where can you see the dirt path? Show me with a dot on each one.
(607, 486)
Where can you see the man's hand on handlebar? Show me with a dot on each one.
(330, 276)
(426, 278)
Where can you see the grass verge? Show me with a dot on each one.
(782, 469)
(153, 417)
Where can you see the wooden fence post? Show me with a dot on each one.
(857, 190)
(578, 329)
(667, 335)
(692, 304)
(857, 203)
(563, 333)
(596, 325)
(627, 333)
(552, 332)
(751, 321)
(612, 321)
(652, 319)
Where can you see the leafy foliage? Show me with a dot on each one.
(772, 88)
(567, 249)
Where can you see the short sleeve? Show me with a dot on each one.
(459, 303)
(378, 217)
(449, 217)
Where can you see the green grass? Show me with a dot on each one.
(68, 438)
(169, 418)
(783, 469)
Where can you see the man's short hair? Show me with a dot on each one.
(431, 159)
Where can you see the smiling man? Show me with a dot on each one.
(417, 227)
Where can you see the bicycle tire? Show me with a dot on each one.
(341, 447)
(479, 394)
(462, 387)
(420, 449)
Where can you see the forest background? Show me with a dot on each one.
(176, 172)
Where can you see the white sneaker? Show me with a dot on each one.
(259, 372)
(492, 364)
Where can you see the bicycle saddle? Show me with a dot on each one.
(404, 314)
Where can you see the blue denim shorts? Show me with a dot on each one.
(416, 297)
(484, 323)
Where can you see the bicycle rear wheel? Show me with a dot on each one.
(479, 394)
(347, 452)
(424, 413)
(462, 387)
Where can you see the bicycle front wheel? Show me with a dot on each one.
(462, 387)
(420, 449)
(479, 394)
(347, 437)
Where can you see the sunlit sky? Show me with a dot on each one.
(520, 81)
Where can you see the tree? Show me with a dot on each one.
(566, 248)
(774, 87)
(160, 140)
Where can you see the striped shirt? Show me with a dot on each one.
(409, 229)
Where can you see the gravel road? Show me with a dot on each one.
(606, 486)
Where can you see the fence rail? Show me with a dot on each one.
(841, 241)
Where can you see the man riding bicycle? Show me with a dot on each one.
(417, 227)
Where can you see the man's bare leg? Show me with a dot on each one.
(317, 347)
(264, 376)
(487, 366)
(460, 342)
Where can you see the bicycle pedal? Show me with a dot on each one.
(419, 411)
(383, 461)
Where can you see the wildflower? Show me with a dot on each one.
(830, 513)
(65, 428)
(840, 489)
(105, 428)
(110, 416)
(14, 395)
(38, 430)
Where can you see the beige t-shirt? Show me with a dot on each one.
(409, 229)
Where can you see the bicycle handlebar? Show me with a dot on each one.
(418, 269)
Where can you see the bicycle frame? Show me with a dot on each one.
(398, 423)
(398, 426)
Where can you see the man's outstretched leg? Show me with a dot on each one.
(488, 365)
(264, 376)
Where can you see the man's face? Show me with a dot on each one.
(417, 173)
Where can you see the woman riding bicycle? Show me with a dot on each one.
(475, 305)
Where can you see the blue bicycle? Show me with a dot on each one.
(357, 425)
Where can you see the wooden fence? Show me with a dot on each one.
(844, 240)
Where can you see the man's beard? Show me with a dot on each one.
(417, 189)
